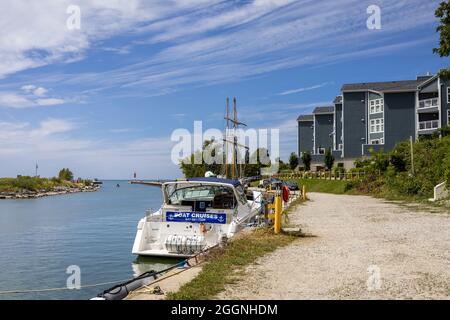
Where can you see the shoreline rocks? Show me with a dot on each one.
(27, 194)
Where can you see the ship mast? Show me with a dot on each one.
(235, 172)
(226, 132)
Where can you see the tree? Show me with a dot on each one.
(293, 161)
(258, 160)
(282, 165)
(65, 174)
(329, 159)
(306, 159)
(443, 13)
(191, 169)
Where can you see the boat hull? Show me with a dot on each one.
(181, 230)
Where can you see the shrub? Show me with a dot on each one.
(306, 159)
(362, 163)
(293, 161)
(338, 170)
(391, 172)
(447, 170)
(65, 175)
(329, 159)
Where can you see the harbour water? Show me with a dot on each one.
(41, 238)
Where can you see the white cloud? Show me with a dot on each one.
(40, 92)
(53, 126)
(35, 34)
(32, 89)
(54, 143)
(13, 100)
(32, 96)
(299, 90)
(28, 88)
(50, 102)
(202, 42)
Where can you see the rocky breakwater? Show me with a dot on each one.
(60, 190)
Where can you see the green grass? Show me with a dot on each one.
(321, 185)
(225, 266)
(32, 184)
(325, 186)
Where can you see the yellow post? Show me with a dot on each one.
(304, 192)
(278, 212)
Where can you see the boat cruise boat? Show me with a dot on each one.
(196, 214)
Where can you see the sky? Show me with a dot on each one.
(103, 99)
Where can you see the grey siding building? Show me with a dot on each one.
(354, 123)
(323, 129)
(305, 134)
(337, 133)
(433, 105)
(376, 116)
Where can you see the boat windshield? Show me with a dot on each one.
(219, 197)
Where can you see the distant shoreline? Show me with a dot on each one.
(27, 194)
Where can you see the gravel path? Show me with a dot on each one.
(363, 248)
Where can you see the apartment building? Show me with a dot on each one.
(375, 116)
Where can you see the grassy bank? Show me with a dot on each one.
(225, 266)
(325, 186)
(35, 184)
(393, 174)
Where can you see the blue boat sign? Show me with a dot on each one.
(196, 217)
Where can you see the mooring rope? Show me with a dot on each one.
(181, 263)
(21, 291)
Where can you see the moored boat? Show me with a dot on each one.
(197, 214)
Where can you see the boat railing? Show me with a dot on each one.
(255, 200)
(152, 215)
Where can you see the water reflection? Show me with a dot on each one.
(144, 264)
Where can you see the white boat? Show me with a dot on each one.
(197, 214)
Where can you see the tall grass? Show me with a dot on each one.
(325, 186)
(225, 266)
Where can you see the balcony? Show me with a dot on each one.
(428, 105)
(428, 125)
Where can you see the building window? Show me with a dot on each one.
(448, 94)
(448, 117)
(376, 106)
(377, 125)
(320, 150)
(377, 141)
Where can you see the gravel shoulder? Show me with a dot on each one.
(361, 248)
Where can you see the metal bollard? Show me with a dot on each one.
(278, 212)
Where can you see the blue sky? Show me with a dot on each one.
(104, 99)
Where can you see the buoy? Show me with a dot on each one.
(286, 194)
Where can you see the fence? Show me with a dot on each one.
(325, 175)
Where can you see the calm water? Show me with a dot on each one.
(40, 238)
